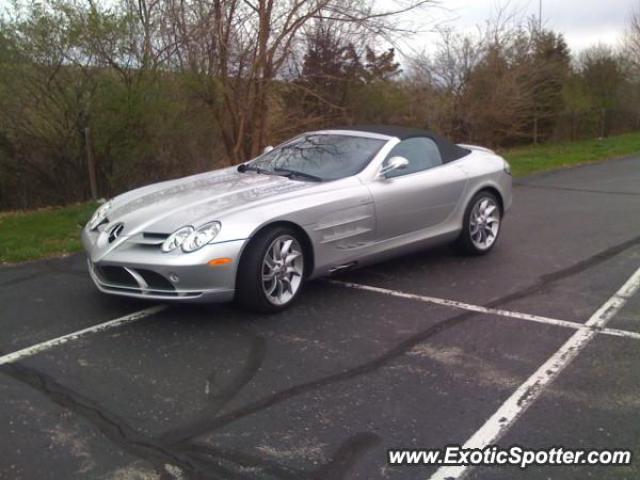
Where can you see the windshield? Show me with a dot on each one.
(320, 156)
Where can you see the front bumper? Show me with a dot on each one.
(141, 271)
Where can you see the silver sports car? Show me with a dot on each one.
(323, 202)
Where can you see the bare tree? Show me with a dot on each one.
(239, 48)
(632, 41)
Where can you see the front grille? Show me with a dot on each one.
(137, 281)
(115, 232)
(120, 277)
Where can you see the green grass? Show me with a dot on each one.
(56, 231)
(533, 159)
(42, 233)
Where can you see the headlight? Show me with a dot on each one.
(176, 239)
(507, 167)
(200, 237)
(99, 216)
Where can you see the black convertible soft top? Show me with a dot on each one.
(449, 151)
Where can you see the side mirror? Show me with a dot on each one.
(267, 149)
(394, 163)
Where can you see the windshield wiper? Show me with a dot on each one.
(295, 173)
(243, 167)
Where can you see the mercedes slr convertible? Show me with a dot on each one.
(324, 202)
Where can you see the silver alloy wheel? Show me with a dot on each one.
(484, 223)
(282, 269)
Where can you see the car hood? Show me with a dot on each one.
(167, 206)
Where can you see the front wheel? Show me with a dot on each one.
(271, 271)
(481, 224)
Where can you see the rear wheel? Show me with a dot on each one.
(481, 224)
(271, 271)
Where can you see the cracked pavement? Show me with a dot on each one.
(322, 390)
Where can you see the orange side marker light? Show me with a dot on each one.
(216, 262)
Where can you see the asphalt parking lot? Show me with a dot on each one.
(421, 352)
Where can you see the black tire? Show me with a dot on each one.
(465, 244)
(250, 294)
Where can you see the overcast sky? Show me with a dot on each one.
(583, 22)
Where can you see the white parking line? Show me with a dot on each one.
(489, 311)
(101, 327)
(616, 332)
(529, 391)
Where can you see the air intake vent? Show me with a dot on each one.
(149, 238)
(116, 275)
(155, 236)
